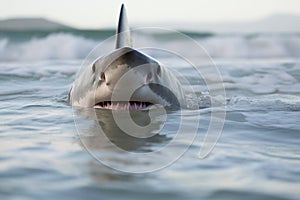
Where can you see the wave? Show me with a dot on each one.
(260, 46)
(54, 46)
(78, 45)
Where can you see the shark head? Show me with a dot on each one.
(126, 79)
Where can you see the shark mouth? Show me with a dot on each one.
(124, 105)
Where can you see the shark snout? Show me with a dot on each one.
(124, 76)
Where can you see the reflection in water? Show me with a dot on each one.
(159, 144)
(126, 141)
(93, 138)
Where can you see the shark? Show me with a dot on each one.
(126, 79)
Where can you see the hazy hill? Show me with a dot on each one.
(18, 24)
(279, 23)
(275, 23)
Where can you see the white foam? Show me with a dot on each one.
(54, 46)
(261, 78)
(264, 46)
(71, 46)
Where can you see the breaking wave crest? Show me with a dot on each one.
(53, 46)
(77, 46)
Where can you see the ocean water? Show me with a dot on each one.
(50, 150)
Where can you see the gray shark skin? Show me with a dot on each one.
(107, 82)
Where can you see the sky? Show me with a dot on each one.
(101, 14)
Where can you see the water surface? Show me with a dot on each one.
(42, 155)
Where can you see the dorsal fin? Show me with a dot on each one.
(123, 31)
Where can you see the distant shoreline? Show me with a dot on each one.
(281, 23)
(38, 24)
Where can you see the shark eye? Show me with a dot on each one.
(94, 68)
(158, 70)
(102, 76)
